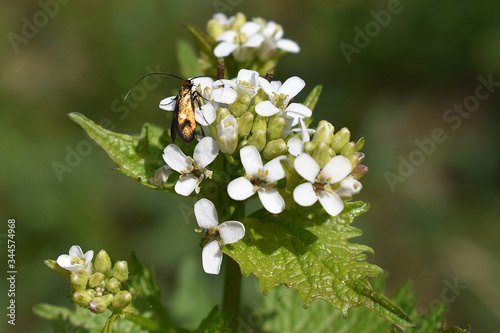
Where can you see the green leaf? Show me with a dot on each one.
(204, 42)
(310, 252)
(313, 97)
(283, 312)
(188, 59)
(137, 157)
(82, 320)
(215, 322)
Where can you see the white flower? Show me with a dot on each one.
(273, 34)
(280, 97)
(161, 175)
(229, 232)
(319, 183)
(348, 187)
(247, 82)
(76, 260)
(227, 134)
(192, 170)
(258, 179)
(239, 42)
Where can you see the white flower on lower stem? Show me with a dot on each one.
(227, 134)
(259, 178)
(319, 185)
(295, 147)
(76, 261)
(247, 82)
(193, 170)
(229, 232)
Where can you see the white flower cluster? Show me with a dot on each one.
(258, 116)
(242, 38)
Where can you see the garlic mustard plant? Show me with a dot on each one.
(252, 136)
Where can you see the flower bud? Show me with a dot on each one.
(309, 147)
(122, 299)
(240, 105)
(97, 305)
(214, 29)
(91, 292)
(324, 132)
(257, 139)
(108, 299)
(227, 134)
(340, 139)
(239, 20)
(360, 144)
(348, 187)
(120, 271)
(321, 154)
(259, 123)
(78, 281)
(359, 171)
(348, 149)
(102, 262)
(221, 113)
(275, 127)
(113, 285)
(274, 149)
(81, 298)
(96, 279)
(245, 123)
(356, 158)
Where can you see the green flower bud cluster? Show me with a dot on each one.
(327, 144)
(103, 288)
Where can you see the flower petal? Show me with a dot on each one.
(168, 104)
(275, 169)
(292, 87)
(206, 151)
(266, 86)
(305, 195)
(305, 131)
(307, 167)
(288, 45)
(211, 258)
(266, 109)
(227, 36)
(206, 214)
(88, 256)
(226, 95)
(272, 200)
(205, 115)
(76, 251)
(251, 160)
(331, 202)
(65, 260)
(240, 189)
(231, 231)
(295, 146)
(337, 169)
(246, 75)
(224, 49)
(348, 188)
(250, 28)
(254, 41)
(161, 175)
(175, 158)
(185, 186)
(297, 110)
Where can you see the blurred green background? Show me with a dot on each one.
(438, 225)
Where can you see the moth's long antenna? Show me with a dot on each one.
(150, 74)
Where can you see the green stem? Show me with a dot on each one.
(232, 286)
